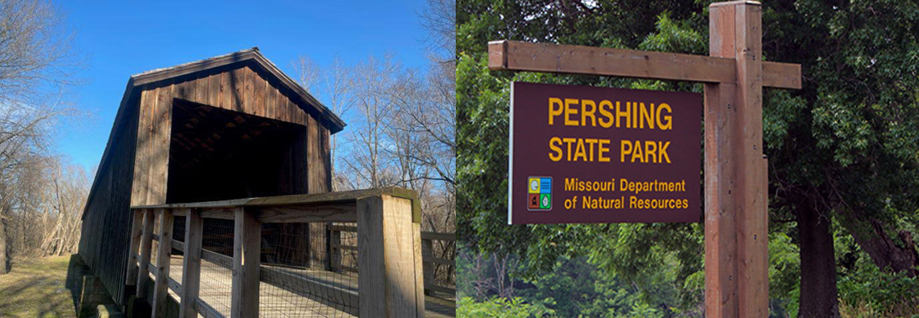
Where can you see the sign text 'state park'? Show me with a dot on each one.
(583, 154)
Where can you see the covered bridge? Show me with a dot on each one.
(187, 144)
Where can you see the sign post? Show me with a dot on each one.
(736, 181)
(736, 216)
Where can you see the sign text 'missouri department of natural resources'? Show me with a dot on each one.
(583, 154)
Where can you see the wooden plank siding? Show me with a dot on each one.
(135, 166)
(317, 172)
(245, 85)
(101, 226)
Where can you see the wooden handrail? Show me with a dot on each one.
(383, 214)
(432, 236)
(345, 198)
(428, 259)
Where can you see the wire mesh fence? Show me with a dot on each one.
(297, 275)
(298, 280)
(304, 270)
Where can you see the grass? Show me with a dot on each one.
(862, 310)
(35, 288)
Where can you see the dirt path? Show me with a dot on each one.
(35, 288)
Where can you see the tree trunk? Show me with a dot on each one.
(886, 253)
(818, 264)
(4, 249)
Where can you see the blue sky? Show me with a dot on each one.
(120, 38)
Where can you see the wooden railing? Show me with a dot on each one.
(390, 273)
(430, 262)
(445, 293)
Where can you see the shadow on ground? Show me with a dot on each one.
(36, 288)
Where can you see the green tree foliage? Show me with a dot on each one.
(573, 288)
(499, 308)
(866, 291)
(844, 149)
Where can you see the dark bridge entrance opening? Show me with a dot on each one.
(218, 154)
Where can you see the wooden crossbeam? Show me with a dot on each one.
(586, 60)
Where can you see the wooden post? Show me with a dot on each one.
(334, 250)
(720, 253)
(163, 256)
(247, 241)
(390, 278)
(427, 251)
(191, 265)
(137, 230)
(736, 220)
(143, 273)
(318, 255)
(328, 247)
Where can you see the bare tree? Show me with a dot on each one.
(34, 57)
(404, 137)
(67, 191)
(34, 50)
(402, 132)
(308, 74)
(339, 89)
(44, 206)
(334, 85)
(435, 116)
(22, 136)
(366, 162)
(439, 18)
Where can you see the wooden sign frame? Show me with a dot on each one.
(736, 179)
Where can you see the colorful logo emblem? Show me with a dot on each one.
(539, 193)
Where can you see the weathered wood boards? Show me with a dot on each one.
(101, 229)
(163, 255)
(251, 57)
(390, 281)
(445, 293)
(318, 181)
(191, 264)
(738, 251)
(143, 275)
(137, 230)
(242, 90)
(389, 254)
(587, 60)
(247, 249)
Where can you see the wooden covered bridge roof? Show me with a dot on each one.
(251, 58)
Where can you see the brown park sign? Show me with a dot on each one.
(582, 154)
